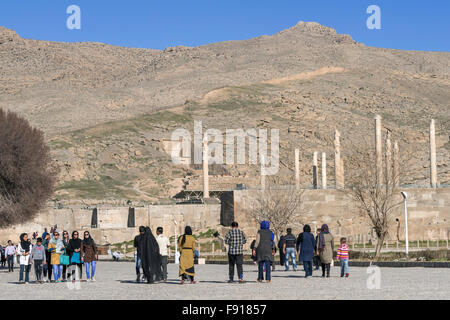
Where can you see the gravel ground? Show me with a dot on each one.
(116, 280)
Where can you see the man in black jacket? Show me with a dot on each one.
(138, 253)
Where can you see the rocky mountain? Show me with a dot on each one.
(107, 110)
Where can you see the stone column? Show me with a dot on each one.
(378, 150)
(315, 170)
(388, 158)
(396, 173)
(433, 169)
(337, 160)
(205, 170)
(263, 175)
(297, 169)
(342, 177)
(324, 170)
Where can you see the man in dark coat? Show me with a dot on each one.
(150, 257)
(138, 252)
(280, 249)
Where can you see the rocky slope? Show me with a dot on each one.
(107, 110)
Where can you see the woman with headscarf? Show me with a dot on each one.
(89, 255)
(306, 245)
(24, 252)
(150, 257)
(74, 251)
(186, 245)
(65, 240)
(325, 247)
(56, 248)
(263, 250)
(48, 257)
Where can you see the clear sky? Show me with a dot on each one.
(405, 24)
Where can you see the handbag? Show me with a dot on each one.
(75, 258)
(64, 259)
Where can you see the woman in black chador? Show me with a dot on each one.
(150, 257)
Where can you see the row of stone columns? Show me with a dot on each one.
(391, 162)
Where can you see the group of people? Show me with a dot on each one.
(53, 254)
(62, 256)
(319, 249)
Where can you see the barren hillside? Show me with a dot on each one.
(106, 110)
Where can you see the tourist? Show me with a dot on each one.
(45, 233)
(138, 253)
(252, 247)
(56, 249)
(186, 244)
(235, 239)
(48, 268)
(24, 252)
(89, 255)
(306, 245)
(343, 256)
(150, 257)
(264, 250)
(164, 244)
(38, 257)
(280, 248)
(325, 248)
(10, 253)
(65, 240)
(2, 256)
(74, 251)
(289, 249)
(316, 258)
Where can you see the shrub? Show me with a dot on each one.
(26, 176)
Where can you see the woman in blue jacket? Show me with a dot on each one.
(307, 243)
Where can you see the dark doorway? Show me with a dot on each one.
(94, 219)
(131, 219)
(226, 208)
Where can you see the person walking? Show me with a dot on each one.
(45, 233)
(306, 245)
(186, 245)
(264, 249)
(235, 239)
(89, 255)
(343, 256)
(137, 239)
(316, 258)
(164, 244)
(325, 248)
(38, 257)
(74, 251)
(56, 249)
(24, 252)
(289, 250)
(280, 248)
(2, 256)
(65, 240)
(48, 268)
(150, 257)
(10, 253)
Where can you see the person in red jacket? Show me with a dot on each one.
(342, 255)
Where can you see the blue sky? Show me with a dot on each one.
(405, 24)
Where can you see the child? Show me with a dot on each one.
(342, 255)
(39, 259)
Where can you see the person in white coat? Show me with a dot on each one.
(24, 253)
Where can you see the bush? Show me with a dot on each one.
(26, 176)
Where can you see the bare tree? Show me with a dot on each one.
(278, 204)
(26, 175)
(378, 200)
